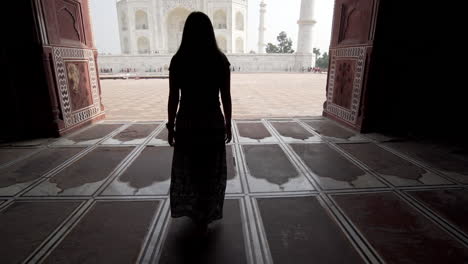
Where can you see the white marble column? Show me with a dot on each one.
(261, 29)
(306, 25)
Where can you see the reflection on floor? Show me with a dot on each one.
(299, 191)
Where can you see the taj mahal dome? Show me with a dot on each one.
(150, 33)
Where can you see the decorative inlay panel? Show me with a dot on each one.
(345, 82)
(171, 4)
(77, 90)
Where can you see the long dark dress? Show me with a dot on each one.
(198, 178)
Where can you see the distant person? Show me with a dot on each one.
(197, 129)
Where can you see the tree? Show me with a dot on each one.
(271, 48)
(284, 44)
(317, 54)
(322, 62)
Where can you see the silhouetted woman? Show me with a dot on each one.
(199, 72)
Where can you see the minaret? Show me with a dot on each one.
(306, 25)
(261, 29)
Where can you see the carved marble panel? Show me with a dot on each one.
(344, 77)
(353, 22)
(79, 86)
(345, 82)
(69, 20)
(77, 83)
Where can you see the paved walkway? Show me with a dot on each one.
(253, 96)
(299, 191)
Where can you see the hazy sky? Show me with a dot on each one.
(281, 15)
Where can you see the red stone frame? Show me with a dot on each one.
(351, 45)
(72, 116)
(358, 56)
(67, 39)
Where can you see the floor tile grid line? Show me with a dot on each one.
(429, 213)
(249, 212)
(358, 240)
(153, 234)
(419, 163)
(6, 203)
(371, 254)
(165, 225)
(283, 194)
(154, 247)
(243, 163)
(240, 170)
(261, 247)
(239, 159)
(235, 132)
(64, 165)
(243, 169)
(56, 237)
(448, 228)
(126, 162)
(7, 164)
(246, 229)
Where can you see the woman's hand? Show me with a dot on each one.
(170, 134)
(171, 137)
(228, 136)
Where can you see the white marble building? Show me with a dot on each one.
(150, 26)
(151, 31)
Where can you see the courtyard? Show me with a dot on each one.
(254, 95)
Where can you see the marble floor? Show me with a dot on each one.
(299, 191)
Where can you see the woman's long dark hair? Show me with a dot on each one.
(198, 36)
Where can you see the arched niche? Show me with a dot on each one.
(239, 45)
(141, 20)
(222, 43)
(123, 21)
(240, 21)
(175, 26)
(126, 46)
(143, 45)
(219, 19)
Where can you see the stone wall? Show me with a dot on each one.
(158, 64)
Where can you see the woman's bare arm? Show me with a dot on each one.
(173, 102)
(227, 104)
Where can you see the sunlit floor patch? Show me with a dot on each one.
(85, 175)
(332, 170)
(134, 134)
(18, 176)
(291, 131)
(269, 169)
(396, 170)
